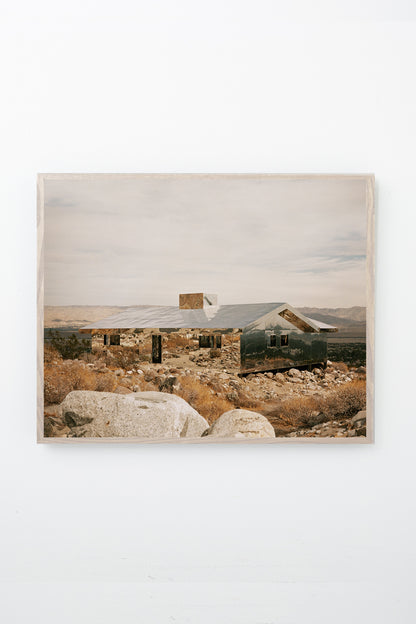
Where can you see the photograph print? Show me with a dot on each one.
(205, 308)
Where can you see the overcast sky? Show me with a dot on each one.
(143, 240)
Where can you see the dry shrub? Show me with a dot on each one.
(145, 350)
(121, 357)
(68, 375)
(50, 354)
(55, 386)
(341, 367)
(245, 401)
(342, 402)
(293, 413)
(146, 386)
(176, 340)
(346, 401)
(203, 399)
(214, 353)
(90, 357)
(105, 382)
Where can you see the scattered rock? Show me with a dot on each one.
(122, 390)
(74, 419)
(54, 427)
(168, 384)
(316, 418)
(359, 420)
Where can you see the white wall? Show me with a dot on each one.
(275, 534)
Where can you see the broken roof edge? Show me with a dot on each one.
(323, 327)
(302, 317)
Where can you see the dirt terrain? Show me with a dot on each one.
(318, 403)
(298, 403)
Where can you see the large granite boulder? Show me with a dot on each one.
(241, 423)
(155, 415)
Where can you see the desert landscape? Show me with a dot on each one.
(83, 390)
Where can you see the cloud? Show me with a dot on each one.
(137, 240)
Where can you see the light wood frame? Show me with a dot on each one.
(370, 303)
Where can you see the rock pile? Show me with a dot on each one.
(349, 428)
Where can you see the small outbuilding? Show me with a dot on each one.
(252, 337)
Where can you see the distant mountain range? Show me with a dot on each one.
(351, 315)
(351, 322)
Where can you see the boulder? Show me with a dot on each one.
(280, 378)
(155, 415)
(239, 423)
(294, 372)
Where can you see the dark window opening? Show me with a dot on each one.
(273, 340)
(105, 340)
(115, 340)
(209, 342)
(203, 342)
(284, 340)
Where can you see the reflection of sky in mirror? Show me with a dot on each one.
(143, 240)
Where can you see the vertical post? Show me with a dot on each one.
(156, 348)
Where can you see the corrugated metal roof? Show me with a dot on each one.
(237, 316)
(220, 317)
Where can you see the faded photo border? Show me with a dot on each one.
(370, 311)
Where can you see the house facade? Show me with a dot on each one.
(244, 337)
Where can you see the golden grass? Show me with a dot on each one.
(67, 375)
(50, 354)
(203, 399)
(174, 340)
(121, 357)
(297, 413)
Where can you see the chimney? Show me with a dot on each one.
(196, 301)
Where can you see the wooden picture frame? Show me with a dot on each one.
(369, 182)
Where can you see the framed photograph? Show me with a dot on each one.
(205, 308)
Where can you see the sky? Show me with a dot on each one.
(137, 240)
